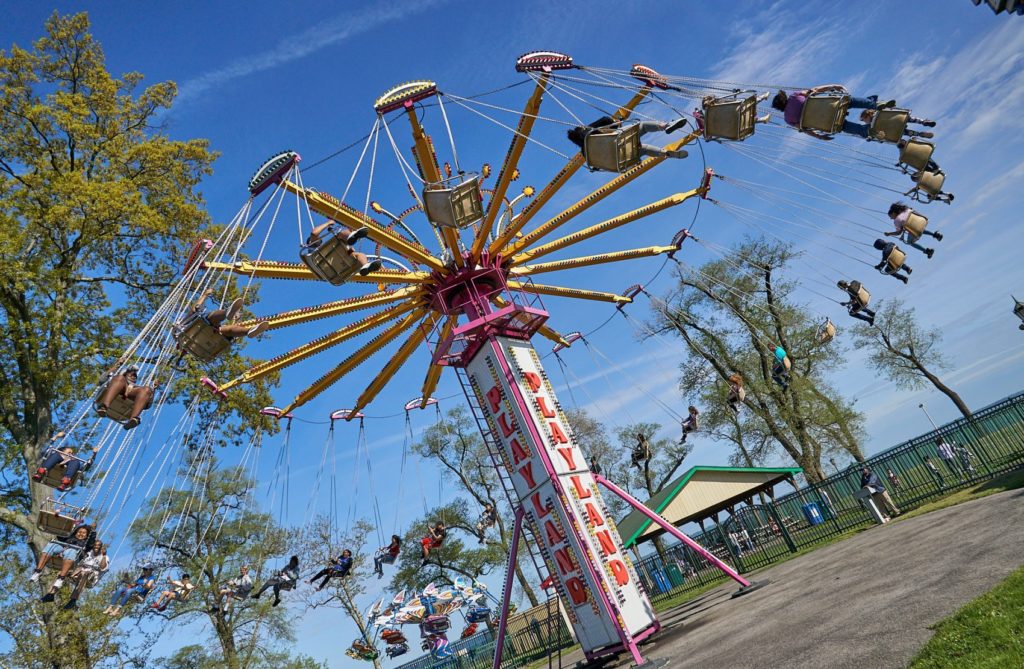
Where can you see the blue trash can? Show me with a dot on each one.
(660, 580)
(812, 512)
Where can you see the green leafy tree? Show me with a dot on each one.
(732, 314)
(906, 352)
(98, 207)
(455, 443)
(209, 529)
(195, 656)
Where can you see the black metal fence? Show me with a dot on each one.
(984, 446)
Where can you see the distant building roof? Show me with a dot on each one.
(700, 493)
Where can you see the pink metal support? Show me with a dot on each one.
(506, 595)
(668, 527)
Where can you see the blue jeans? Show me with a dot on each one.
(859, 129)
(73, 465)
(870, 102)
(124, 594)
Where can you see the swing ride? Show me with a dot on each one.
(451, 278)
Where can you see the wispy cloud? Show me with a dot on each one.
(300, 45)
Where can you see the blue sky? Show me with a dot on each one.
(259, 77)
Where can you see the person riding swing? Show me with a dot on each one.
(641, 450)
(434, 539)
(338, 567)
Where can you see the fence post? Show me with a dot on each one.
(782, 527)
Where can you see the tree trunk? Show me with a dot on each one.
(947, 391)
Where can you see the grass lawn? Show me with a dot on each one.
(1009, 481)
(988, 633)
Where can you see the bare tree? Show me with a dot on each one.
(905, 351)
(732, 314)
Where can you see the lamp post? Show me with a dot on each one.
(922, 408)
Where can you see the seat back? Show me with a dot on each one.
(787, 363)
(54, 477)
(201, 339)
(120, 409)
(615, 150)
(825, 112)
(931, 182)
(896, 259)
(331, 260)
(888, 125)
(454, 207)
(55, 523)
(730, 117)
(827, 332)
(915, 224)
(863, 296)
(916, 153)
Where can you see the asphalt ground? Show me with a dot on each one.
(863, 603)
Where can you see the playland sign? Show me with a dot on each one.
(578, 539)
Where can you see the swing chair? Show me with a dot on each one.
(55, 475)
(392, 636)
(915, 226)
(197, 337)
(330, 258)
(120, 408)
(915, 154)
(58, 517)
(1018, 311)
(396, 650)
(730, 117)
(928, 187)
(612, 149)
(469, 630)
(825, 112)
(455, 202)
(826, 332)
(888, 125)
(894, 262)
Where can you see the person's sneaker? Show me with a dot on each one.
(276, 602)
(902, 278)
(71, 605)
(233, 309)
(35, 576)
(258, 329)
(928, 123)
(154, 605)
(101, 411)
(372, 266)
(65, 483)
(40, 473)
(255, 595)
(675, 125)
(58, 582)
(926, 135)
(356, 235)
(380, 575)
(929, 253)
(871, 320)
(937, 236)
(48, 597)
(887, 104)
(132, 423)
(763, 119)
(678, 153)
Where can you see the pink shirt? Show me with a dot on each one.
(901, 220)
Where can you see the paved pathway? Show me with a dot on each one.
(863, 603)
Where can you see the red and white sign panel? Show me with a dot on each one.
(555, 486)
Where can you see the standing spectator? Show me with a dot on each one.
(827, 501)
(734, 539)
(894, 481)
(948, 456)
(870, 480)
(745, 539)
(964, 456)
(934, 470)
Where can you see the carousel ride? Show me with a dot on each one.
(452, 280)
